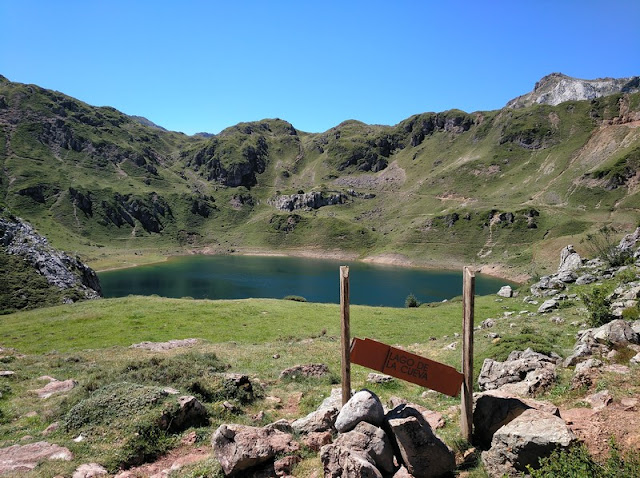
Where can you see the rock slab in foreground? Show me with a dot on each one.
(26, 457)
(240, 447)
(523, 441)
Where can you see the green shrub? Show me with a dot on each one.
(577, 463)
(411, 301)
(598, 306)
(295, 298)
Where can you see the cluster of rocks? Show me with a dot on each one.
(20, 239)
(360, 439)
(310, 200)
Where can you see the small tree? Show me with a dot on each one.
(597, 304)
(411, 301)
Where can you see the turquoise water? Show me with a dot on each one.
(241, 277)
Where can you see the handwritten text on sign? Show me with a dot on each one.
(406, 366)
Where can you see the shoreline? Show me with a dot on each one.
(498, 271)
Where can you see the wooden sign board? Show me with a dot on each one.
(406, 366)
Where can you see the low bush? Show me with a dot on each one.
(295, 298)
(598, 306)
(411, 301)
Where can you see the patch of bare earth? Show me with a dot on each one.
(389, 179)
(172, 461)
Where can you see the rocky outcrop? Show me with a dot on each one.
(523, 441)
(67, 273)
(23, 458)
(311, 200)
(523, 373)
(557, 88)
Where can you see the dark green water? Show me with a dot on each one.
(241, 277)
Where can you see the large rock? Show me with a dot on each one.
(22, 458)
(630, 241)
(570, 260)
(240, 447)
(340, 462)
(548, 306)
(505, 291)
(523, 441)
(371, 441)
(435, 419)
(362, 406)
(423, 454)
(320, 420)
(495, 409)
(54, 387)
(617, 332)
(547, 286)
(535, 370)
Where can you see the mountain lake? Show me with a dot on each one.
(317, 280)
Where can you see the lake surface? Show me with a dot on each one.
(241, 277)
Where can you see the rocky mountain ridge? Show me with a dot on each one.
(558, 88)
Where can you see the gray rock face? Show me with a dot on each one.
(536, 372)
(630, 241)
(570, 260)
(423, 454)
(523, 441)
(505, 291)
(548, 306)
(547, 286)
(616, 332)
(493, 410)
(20, 239)
(586, 279)
(240, 447)
(311, 200)
(557, 88)
(371, 441)
(363, 406)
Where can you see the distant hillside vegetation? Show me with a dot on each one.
(509, 187)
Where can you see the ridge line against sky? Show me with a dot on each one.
(196, 66)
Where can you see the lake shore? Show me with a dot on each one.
(500, 271)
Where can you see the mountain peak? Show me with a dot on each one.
(557, 88)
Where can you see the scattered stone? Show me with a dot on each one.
(258, 417)
(363, 406)
(314, 370)
(273, 400)
(7, 373)
(170, 391)
(599, 400)
(523, 441)
(505, 291)
(80, 438)
(162, 346)
(493, 336)
(54, 387)
(379, 378)
(588, 365)
(51, 428)
(240, 447)
(586, 279)
(284, 466)
(548, 306)
(535, 371)
(22, 458)
(230, 407)
(422, 453)
(567, 276)
(316, 440)
(547, 286)
(488, 323)
(617, 332)
(339, 462)
(276, 356)
(89, 470)
(556, 320)
(629, 404)
(635, 360)
(617, 368)
(451, 346)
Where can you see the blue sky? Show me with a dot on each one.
(202, 66)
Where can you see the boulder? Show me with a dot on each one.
(548, 306)
(422, 453)
(599, 400)
(494, 409)
(372, 442)
(586, 279)
(523, 441)
(570, 260)
(320, 420)
(240, 447)
(535, 370)
(316, 440)
(630, 241)
(379, 378)
(547, 286)
(505, 291)
(435, 419)
(488, 323)
(567, 276)
(339, 462)
(187, 413)
(363, 406)
(54, 387)
(617, 332)
(22, 458)
(313, 370)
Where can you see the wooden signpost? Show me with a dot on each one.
(411, 367)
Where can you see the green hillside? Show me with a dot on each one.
(503, 187)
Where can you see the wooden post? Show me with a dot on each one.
(345, 334)
(468, 293)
